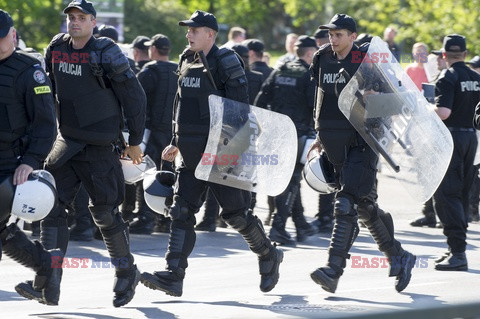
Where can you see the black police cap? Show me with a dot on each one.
(159, 41)
(254, 45)
(108, 31)
(6, 23)
(82, 5)
(201, 19)
(139, 42)
(341, 21)
(304, 41)
(454, 43)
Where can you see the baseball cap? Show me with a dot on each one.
(475, 62)
(341, 21)
(241, 50)
(304, 41)
(159, 41)
(6, 23)
(454, 43)
(201, 19)
(139, 42)
(254, 45)
(108, 31)
(321, 34)
(82, 5)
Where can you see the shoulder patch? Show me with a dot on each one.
(42, 89)
(39, 76)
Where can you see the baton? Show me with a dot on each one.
(207, 68)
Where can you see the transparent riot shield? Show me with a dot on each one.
(248, 148)
(395, 119)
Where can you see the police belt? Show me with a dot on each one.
(461, 129)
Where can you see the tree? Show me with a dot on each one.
(156, 16)
(37, 21)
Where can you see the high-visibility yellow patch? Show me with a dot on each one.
(42, 89)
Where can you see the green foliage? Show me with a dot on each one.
(37, 21)
(270, 20)
(149, 17)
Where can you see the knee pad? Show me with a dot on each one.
(238, 220)
(343, 209)
(367, 211)
(104, 216)
(181, 211)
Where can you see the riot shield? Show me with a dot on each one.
(248, 148)
(395, 119)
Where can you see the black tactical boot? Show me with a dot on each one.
(180, 245)
(269, 257)
(169, 281)
(304, 229)
(46, 264)
(323, 224)
(206, 224)
(48, 292)
(146, 217)
(269, 269)
(344, 234)
(455, 262)
(428, 219)
(280, 236)
(124, 286)
(380, 225)
(127, 275)
(443, 257)
(144, 224)
(403, 276)
(327, 278)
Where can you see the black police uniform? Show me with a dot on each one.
(94, 86)
(458, 89)
(27, 132)
(355, 165)
(159, 81)
(290, 91)
(191, 131)
(261, 67)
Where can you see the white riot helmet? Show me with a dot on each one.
(134, 173)
(158, 190)
(32, 200)
(319, 173)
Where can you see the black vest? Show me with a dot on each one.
(160, 103)
(194, 87)
(326, 70)
(87, 111)
(13, 116)
(290, 98)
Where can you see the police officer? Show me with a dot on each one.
(429, 218)
(457, 91)
(94, 85)
(27, 132)
(255, 57)
(211, 218)
(224, 76)
(290, 90)
(354, 161)
(140, 52)
(159, 81)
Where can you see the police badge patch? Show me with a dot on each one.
(39, 76)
